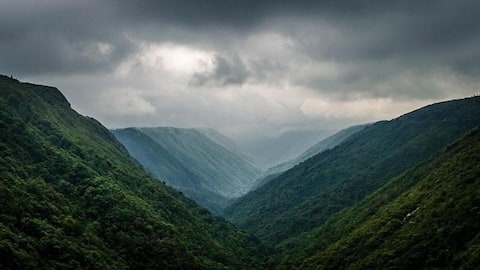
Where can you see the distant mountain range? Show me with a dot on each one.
(207, 168)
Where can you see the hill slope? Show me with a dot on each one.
(305, 196)
(71, 197)
(330, 142)
(189, 161)
(269, 152)
(428, 218)
(325, 144)
(226, 143)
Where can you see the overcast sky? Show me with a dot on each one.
(247, 68)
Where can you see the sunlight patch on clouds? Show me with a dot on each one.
(169, 57)
(360, 109)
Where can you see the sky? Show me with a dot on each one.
(247, 68)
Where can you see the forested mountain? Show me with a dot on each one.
(72, 197)
(191, 162)
(304, 197)
(325, 144)
(427, 218)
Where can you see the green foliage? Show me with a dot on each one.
(305, 196)
(427, 218)
(71, 197)
(323, 145)
(189, 161)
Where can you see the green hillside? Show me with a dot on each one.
(427, 218)
(191, 162)
(304, 197)
(323, 145)
(270, 151)
(226, 143)
(71, 197)
(163, 165)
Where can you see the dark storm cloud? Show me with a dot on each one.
(62, 36)
(387, 42)
(39, 37)
(377, 44)
(226, 71)
(232, 70)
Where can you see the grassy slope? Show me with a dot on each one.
(70, 196)
(307, 195)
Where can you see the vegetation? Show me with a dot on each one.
(427, 218)
(71, 197)
(305, 196)
(190, 161)
(323, 145)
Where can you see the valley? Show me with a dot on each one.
(400, 193)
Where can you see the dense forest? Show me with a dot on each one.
(426, 218)
(71, 197)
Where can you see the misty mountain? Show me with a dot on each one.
(72, 198)
(321, 146)
(269, 152)
(329, 143)
(305, 196)
(226, 143)
(189, 161)
(427, 218)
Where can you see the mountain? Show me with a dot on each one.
(269, 152)
(226, 143)
(165, 166)
(188, 160)
(427, 218)
(305, 196)
(329, 143)
(72, 197)
(325, 144)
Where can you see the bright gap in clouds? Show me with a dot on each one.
(174, 58)
(366, 109)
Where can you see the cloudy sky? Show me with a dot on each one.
(247, 68)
